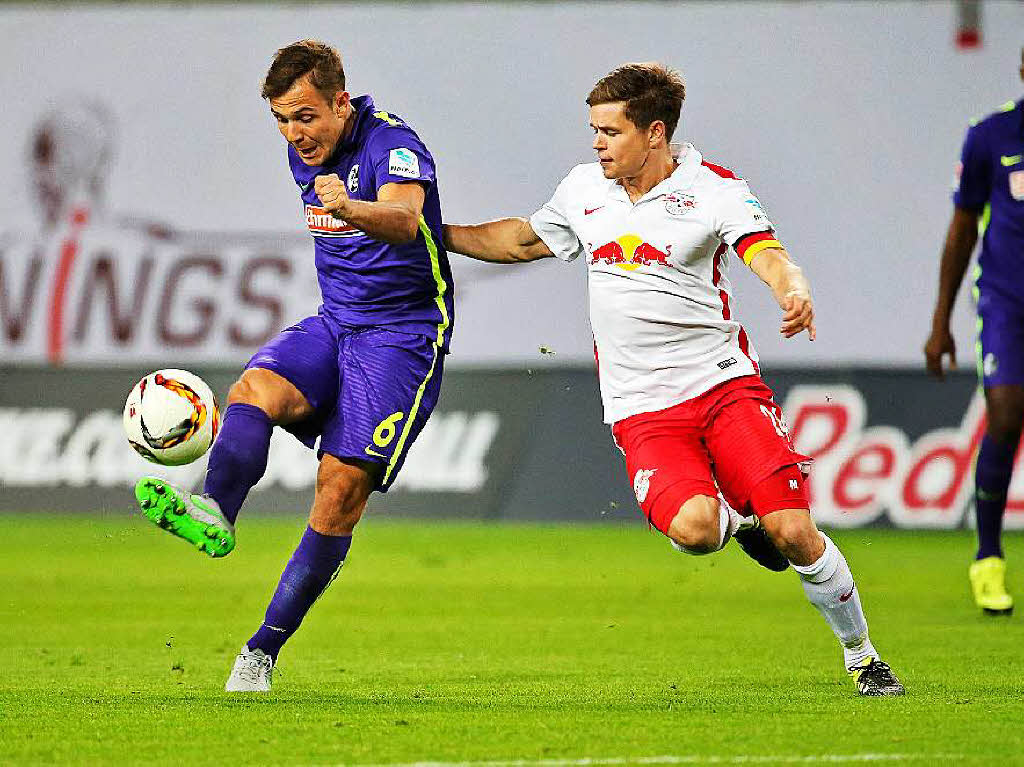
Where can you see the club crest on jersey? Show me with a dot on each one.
(629, 252)
(353, 179)
(642, 484)
(679, 204)
(322, 224)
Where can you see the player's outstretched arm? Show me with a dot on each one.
(956, 253)
(394, 217)
(790, 288)
(506, 241)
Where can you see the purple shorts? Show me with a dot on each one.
(1000, 344)
(372, 389)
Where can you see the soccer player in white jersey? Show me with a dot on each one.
(679, 377)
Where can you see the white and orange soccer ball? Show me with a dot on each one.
(171, 417)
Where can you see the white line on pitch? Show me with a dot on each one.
(690, 759)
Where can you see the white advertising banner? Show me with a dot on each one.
(148, 213)
(887, 447)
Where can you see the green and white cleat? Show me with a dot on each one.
(195, 518)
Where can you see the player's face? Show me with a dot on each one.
(622, 148)
(309, 122)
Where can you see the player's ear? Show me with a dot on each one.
(656, 133)
(340, 103)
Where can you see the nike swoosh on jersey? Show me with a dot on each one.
(1008, 160)
(308, 185)
(588, 211)
(368, 451)
(845, 597)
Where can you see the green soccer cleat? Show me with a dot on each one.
(195, 518)
(988, 583)
(875, 679)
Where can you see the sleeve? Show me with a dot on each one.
(399, 157)
(551, 223)
(741, 223)
(973, 184)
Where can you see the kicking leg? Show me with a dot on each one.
(258, 401)
(830, 587)
(342, 489)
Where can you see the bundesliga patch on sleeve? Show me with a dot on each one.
(754, 207)
(404, 162)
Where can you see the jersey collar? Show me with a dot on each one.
(681, 178)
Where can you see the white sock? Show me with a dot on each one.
(728, 522)
(829, 586)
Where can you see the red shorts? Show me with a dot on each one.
(732, 438)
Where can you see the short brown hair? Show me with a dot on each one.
(320, 61)
(651, 91)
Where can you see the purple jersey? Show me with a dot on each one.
(991, 182)
(367, 282)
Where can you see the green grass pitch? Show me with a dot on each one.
(472, 642)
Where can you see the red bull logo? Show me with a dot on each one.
(629, 252)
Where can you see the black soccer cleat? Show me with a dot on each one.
(875, 679)
(758, 546)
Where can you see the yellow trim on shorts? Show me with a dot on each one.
(442, 288)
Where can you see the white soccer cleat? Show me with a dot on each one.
(252, 672)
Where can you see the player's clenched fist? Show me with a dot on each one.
(332, 194)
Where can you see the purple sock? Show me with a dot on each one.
(313, 566)
(239, 457)
(991, 481)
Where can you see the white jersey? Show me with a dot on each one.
(660, 299)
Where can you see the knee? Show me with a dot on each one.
(795, 535)
(696, 527)
(274, 395)
(1004, 426)
(1005, 413)
(340, 501)
(243, 391)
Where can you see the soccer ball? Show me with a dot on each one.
(171, 417)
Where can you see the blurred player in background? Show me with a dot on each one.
(989, 193)
(679, 377)
(364, 373)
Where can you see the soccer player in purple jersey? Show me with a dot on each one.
(363, 374)
(990, 192)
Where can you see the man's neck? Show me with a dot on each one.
(659, 165)
(346, 132)
(350, 124)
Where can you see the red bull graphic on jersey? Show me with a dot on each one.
(629, 252)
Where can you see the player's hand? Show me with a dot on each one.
(797, 314)
(332, 193)
(939, 344)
